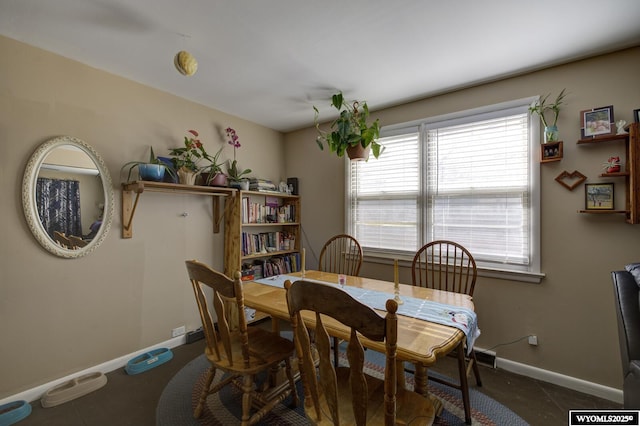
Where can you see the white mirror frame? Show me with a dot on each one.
(29, 197)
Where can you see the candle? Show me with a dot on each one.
(302, 264)
(396, 283)
(395, 272)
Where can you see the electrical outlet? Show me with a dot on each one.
(178, 331)
(533, 340)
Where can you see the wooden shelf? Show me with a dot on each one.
(604, 211)
(250, 225)
(631, 174)
(129, 204)
(268, 254)
(551, 151)
(606, 138)
(617, 174)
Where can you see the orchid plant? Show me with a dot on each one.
(234, 173)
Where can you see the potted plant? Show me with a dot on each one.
(233, 171)
(541, 108)
(213, 174)
(187, 158)
(152, 170)
(350, 132)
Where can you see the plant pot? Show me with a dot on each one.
(186, 176)
(151, 172)
(550, 134)
(358, 153)
(242, 184)
(168, 177)
(219, 179)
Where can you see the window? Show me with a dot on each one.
(467, 177)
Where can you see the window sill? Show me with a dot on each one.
(502, 274)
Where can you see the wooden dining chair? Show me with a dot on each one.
(447, 265)
(348, 395)
(341, 254)
(61, 239)
(239, 351)
(77, 242)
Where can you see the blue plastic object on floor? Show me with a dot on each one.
(147, 361)
(14, 412)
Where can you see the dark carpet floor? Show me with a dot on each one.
(132, 400)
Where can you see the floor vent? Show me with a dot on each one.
(487, 358)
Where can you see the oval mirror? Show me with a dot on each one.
(67, 197)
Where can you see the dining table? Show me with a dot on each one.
(420, 341)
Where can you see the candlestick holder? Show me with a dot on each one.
(396, 292)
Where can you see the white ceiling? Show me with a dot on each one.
(271, 61)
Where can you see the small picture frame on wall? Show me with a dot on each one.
(597, 122)
(636, 115)
(551, 151)
(598, 196)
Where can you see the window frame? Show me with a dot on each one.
(530, 273)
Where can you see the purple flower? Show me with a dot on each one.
(233, 138)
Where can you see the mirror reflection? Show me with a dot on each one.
(67, 197)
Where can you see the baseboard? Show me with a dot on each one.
(106, 367)
(612, 394)
(595, 389)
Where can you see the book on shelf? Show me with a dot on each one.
(269, 212)
(276, 265)
(266, 242)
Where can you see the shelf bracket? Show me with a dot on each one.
(129, 210)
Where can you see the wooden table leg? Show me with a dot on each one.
(421, 387)
(420, 378)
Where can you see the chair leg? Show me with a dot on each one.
(464, 383)
(292, 383)
(205, 392)
(247, 387)
(476, 370)
(336, 342)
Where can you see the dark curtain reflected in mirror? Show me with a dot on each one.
(58, 203)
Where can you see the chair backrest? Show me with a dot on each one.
(61, 239)
(228, 301)
(627, 292)
(77, 242)
(342, 254)
(317, 298)
(444, 265)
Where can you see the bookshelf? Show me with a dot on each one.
(262, 229)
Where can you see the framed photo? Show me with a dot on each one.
(597, 121)
(598, 196)
(636, 115)
(551, 151)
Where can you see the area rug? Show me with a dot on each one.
(179, 398)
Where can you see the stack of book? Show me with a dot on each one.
(265, 185)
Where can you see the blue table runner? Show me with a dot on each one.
(461, 318)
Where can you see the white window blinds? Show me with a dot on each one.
(466, 179)
(384, 196)
(477, 194)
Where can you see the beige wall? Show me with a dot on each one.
(61, 316)
(572, 310)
